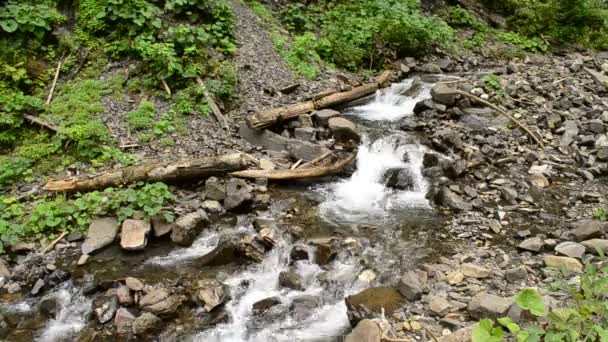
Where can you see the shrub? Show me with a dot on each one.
(143, 117)
(302, 56)
(533, 44)
(12, 168)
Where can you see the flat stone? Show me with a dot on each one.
(533, 244)
(304, 133)
(439, 306)
(188, 227)
(123, 321)
(443, 94)
(589, 229)
(450, 199)
(371, 302)
(485, 305)
(515, 274)
(134, 284)
(146, 323)
(365, 331)
(159, 302)
(134, 234)
(474, 271)
(211, 293)
(160, 226)
(101, 233)
(344, 129)
(321, 117)
(560, 262)
(410, 286)
(570, 249)
(592, 246)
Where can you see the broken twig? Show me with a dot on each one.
(54, 242)
(214, 108)
(40, 122)
(50, 97)
(166, 86)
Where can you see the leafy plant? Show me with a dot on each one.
(143, 117)
(12, 168)
(601, 214)
(491, 83)
(533, 44)
(302, 56)
(165, 125)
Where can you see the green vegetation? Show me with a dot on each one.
(533, 44)
(491, 83)
(584, 317)
(600, 213)
(143, 117)
(458, 18)
(52, 216)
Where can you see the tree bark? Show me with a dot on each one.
(171, 171)
(267, 118)
(296, 173)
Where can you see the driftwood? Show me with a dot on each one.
(170, 171)
(320, 171)
(267, 118)
(214, 108)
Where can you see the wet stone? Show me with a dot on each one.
(160, 226)
(262, 306)
(297, 253)
(123, 321)
(291, 280)
(399, 178)
(105, 307)
(211, 294)
(188, 227)
(146, 323)
(134, 234)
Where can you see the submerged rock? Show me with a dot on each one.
(261, 307)
(101, 233)
(371, 302)
(291, 280)
(399, 178)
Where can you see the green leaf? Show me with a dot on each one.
(529, 299)
(602, 333)
(508, 323)
(9, 25)
(485, 332)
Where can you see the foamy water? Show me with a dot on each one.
(71, 318)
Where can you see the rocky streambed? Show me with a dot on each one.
(447, 212)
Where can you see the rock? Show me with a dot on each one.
(105, 307)
(474, 271)
(123, 321)
(224, 253)
(89, 284)
(212, 206)
(134, 284)
(214, 189)
(159, 302)
(439, 305)
(160, 226)
(430, 68)
(515, 274)
(410, 286)
(74, 236)
(450, 199)
(48, 307)
(485, 305)
(567, 263)
(101, 233)
(188, 227)
(211, 293)
(260, 307)
(422, 106)
(570, 132)
(304, 133)
(533, 244)
(298, 252)
(238, 194)
(371, 302)
(23, 247)
(146, 323)
(365, 331)
(37, 287)
(602, 153)
(461, 335)
(443, 94)
(134, 235)
(343, 129)
(592, 246)
(570, 249)
(324, 253)
(82, 260)
(455, 278)
(291, 280)
(398, 178)
(321, 117)
(13, 288)
(4, 270)
(123, 293)
(302, 306)
(589, 229)
(539, 181)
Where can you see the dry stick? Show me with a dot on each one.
(54, 242)
(216, 111)
(166, 86)
(48, 99)
(295, 166)
(316, 160)
(493, 106)
(39, 122)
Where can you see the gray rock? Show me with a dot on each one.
(146, 323)
(298, 252)
(13, 288)
(260, 307)
(533, 244)
(515, 274)
(4, 270)
(160, 226)
(596, 126)
(602, 153)
(570, 249)
(398, 178)
(134, 284)
(37, 287)
(302, 306)
(123, 321)
(214, 189)
(211, 293)
(570, 133)
(321, 117)
(589, 229)
(443, 94)
(123, 293)
(134, 235)
(74, 236)
(188, 227)
(224, 253)
(291, 280)
(82, 260)
(485, 305)
(238, 194)
(592, 246)
(105, 307)
(475, 271)
(410, 286)
(430, 68)
(344, 129)
(450, 199)
(159, 302)
(365, 331)
(48, 307)
(212, 206)
(101, 233)
(304, 133)
(439, 305)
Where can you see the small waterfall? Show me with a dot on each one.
(72, 310)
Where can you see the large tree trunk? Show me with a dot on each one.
(171, 171)
(267, 118)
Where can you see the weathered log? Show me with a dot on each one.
(267, 118)
(170, 171)
(320, 171)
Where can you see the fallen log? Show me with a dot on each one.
(320, 171)
(170, 171)
(267, 118)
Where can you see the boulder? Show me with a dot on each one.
(365, 331)
(214, 189)
(371, 302)
(105, 307)
(298, 252)
(238, 194)
(324, 253)
(134, 235)
(443, 94)
(160, 302)
(566, 263)
(123, 321)
(344, 129)
(399, 178)
(475, 271)
(211, 293)
(146, 323)
(160, 226)
(533, 244)
(101, 233)
(48, 307)
(262, 306)
(224, 253)
(411, 286)
(570, 249)
(485, 305)
(321, 117)
(188, 227)
(291, 280)
(589, 229)
(592, 246)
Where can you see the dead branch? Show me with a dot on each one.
(39, 122)
(296, 173)
(166, 86)
(50, 97)
(316, 160)
(214, 108)
(54, 242)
